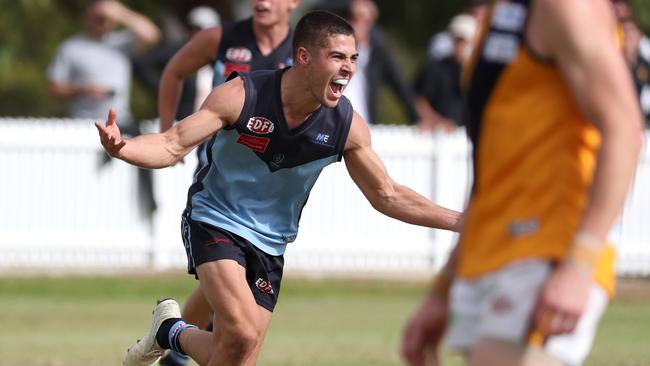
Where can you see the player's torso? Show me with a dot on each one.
(260, 172)
(238, 51)
(534, 154)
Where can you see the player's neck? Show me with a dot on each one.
(298, 102)
(269, 38)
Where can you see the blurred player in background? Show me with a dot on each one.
(555, 126)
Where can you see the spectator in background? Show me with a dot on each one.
(149, 67)
(441, 44)
(439, 99)
(376, 62)
(93, 69)
(636, 47)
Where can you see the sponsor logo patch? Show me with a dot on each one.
(523, 227)
(322, 139)
(254, 143)
(239, 54)
(501, 305)
(230, 68)
(277, 160)
(260, 125)
(217, 240)
(264, 286)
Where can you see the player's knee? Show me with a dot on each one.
(242, 340)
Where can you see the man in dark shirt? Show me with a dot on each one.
(439, 99)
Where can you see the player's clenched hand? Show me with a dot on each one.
(424, 332)
(109, 135)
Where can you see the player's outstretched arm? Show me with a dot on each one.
(384, 194)
(158, 150)
(198, 52)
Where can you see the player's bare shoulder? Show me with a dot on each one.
(359, 135)
(227, 100)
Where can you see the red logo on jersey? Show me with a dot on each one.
(264, 285)
(230, 68)
(217, 240)
(501, 305)
(260, 125)
(239, 54)
(255, 143)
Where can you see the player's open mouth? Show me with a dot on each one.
(337, 85)
(261, 8)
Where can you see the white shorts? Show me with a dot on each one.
(500, 305)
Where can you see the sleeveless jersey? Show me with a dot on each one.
(534, 153)
(260, 172)
(238, 52)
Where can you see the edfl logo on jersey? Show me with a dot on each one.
(264, 285)
(260, 125)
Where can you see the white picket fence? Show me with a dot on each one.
(64, 208)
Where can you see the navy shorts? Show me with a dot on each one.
(207, 243)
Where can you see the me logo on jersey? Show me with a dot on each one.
(260, 125)
(264, 286)
(239, 54)
(322, 139)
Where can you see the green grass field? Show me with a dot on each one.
(69, 321)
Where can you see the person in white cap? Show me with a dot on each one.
(441, 43)
(439, 99)
(203, 17)
(149, 67)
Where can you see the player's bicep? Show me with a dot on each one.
(221, 108)
(364, 165)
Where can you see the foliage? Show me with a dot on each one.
(642, 12)
(31, 30)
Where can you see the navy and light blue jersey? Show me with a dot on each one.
(238, 52)
(260, 172)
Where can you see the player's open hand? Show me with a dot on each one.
(109, 134)
(423, 333)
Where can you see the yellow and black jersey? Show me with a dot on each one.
(534, 152)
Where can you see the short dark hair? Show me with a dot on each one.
(314, 28)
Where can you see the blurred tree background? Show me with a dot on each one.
(31, 30)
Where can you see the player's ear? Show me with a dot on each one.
(302, 55)
(293, 4)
